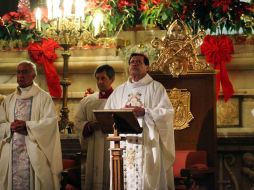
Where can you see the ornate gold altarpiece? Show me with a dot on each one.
(191, 88)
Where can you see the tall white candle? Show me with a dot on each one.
(50, 6)
(97, 22)
(56, 8)
(59, 19)
(67, 8)
(79, 8)
(38, 19)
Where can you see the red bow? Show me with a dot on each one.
(43, 53)
(217, 51)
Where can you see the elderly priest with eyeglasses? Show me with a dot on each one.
(30, 151)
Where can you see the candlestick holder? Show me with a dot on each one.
(64, 122)
(67, 33)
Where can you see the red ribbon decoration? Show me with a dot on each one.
(217, 51)
(43, 53)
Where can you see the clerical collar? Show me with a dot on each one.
(105, 94)
(25, 89)
(144, 81)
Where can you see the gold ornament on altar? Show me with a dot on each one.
(71, 31)
(249, 21)
(178, 54)
(180, 99)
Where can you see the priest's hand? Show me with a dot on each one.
(19, 126)
(138, 111)
(90, 127)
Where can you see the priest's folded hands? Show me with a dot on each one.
(19, 126)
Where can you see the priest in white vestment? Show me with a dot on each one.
(30, 150)
(97, 163)
(148, 157)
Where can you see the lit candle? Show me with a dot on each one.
(97, 22)
(38, 19)
(56, 8)
(58, 21)
(79, 11)
(49, 6)
(67, 8)
(79, 8)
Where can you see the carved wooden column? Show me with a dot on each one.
(117, 160)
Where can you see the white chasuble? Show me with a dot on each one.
(147, 157)
(38, 160)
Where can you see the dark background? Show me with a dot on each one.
(12, 5)
(7, 6)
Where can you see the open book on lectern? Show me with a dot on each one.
(124, 119)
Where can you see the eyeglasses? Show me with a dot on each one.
(23, 72)
(138, 62)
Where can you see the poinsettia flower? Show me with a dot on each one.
(26, 15)
(6, 18)
(14, 15)
(156, 2)
(222, 3)
(144, 5)
(124, 3)
(9, 17)
(106, 7)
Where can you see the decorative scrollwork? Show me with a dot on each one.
(178, 53)
(248, 166)
(230, 160)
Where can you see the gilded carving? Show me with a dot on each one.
(178, 54)
(180, 99)
(228, 112)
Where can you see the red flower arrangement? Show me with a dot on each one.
(18, 26)
(217, 14)
(214, 15)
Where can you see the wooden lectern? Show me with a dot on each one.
(116, 122)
